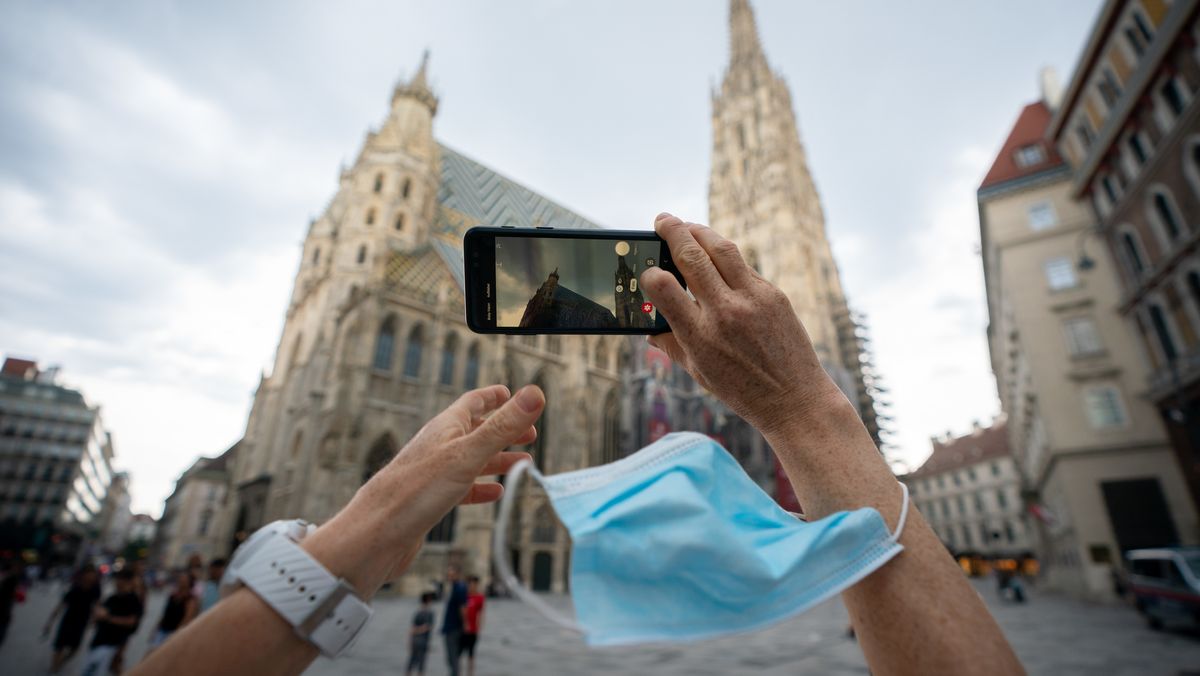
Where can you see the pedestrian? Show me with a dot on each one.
(472, 622)
(76, 608)
(140, 589)
(182, 606)
(11, 574)
(211, 592)
(418, 635)
(116, 620)
(737, 335)
(452, 621)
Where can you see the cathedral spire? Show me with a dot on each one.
(744, 46)
(418, 87)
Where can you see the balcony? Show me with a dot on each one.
(1178, 374)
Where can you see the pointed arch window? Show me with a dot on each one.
(443, 531)
(609, 448)
(399, 221)
(371, 216)
(406, 188)
(545, 530)
(378, 182)
(412, 353)
(385, 343)
(449, 356)
(601, 355)
(381, 453)
(1158, 321)
(1191, 165)
(316, 255)
(1193, 285)
(362, 254)
(471, 375)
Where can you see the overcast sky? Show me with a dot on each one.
(159, 163)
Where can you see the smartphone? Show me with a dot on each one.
(541, 280)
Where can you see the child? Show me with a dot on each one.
(418, 641)
(116, 621)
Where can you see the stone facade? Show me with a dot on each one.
(375, 343)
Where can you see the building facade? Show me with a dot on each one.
(969, 490)
(1129, 127)
(116, 516)
(55, 466)
(1099, 472)
(189, 526)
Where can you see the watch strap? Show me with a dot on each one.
(322, 608)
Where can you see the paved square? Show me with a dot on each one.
(1052, 635)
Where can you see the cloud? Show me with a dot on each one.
(928, 319)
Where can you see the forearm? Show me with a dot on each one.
(918, 613)
(240, 635)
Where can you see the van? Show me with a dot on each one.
(1166, 585)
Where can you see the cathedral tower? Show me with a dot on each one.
(762, 196)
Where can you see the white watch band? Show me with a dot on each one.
(323, 609)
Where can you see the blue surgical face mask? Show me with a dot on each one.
(676, 543)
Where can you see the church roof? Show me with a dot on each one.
(485, 197)
(471, 194)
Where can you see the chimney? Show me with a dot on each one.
(1051, 89)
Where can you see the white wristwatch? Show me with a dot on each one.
(323, 609)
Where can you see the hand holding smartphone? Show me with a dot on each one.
(523, 281)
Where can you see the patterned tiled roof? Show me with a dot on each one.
(1029, 130)
(484, 197)
(420, 272)
(981, 445)
(471, 194)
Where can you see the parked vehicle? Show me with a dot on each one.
(1166, 585)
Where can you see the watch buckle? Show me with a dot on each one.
(324, 609)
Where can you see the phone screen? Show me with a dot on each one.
(573, 283)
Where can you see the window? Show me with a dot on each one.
(1143, 28)
(1137, 146)
(956, 478)
(962, 506)
(1009, 533)
(1082, 337)
(362, 254)
(1060, 273)
(1164, 212)
(1084, 134)
(970, 474)
(1133, 256)
(471, 375)
(1001, 499)
(979, 504)
(378, 182)
(1042, 216)
(399, 221)
(1135, 41)
(1110, 190)
(1193, 285)
(449, 350)
(370, 216)
(967, 536)
(316, 255)
(601, 356)
(1110, 91)
(945, 507)
(412, 353)
(1104, 407)
(1172, 95)
(1029, 155)
(406, 188)
(941, 481)
(443, 531)
(1159, 321)
(554, 344)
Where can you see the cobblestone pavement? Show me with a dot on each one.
(1052, 635)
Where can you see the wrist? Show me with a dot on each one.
(353, 545)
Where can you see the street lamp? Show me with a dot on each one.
(1084, 262)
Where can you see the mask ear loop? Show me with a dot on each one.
(903, 513)
(500, 544)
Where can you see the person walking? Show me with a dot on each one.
(10, 586)
(418, 635)
(211, 592)
(116, 620)
(452, 621)
(181, 607)
(472, 622)
(76, 609)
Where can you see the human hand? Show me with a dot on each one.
(739, 338)
(377, 535)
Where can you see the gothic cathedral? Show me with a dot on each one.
(375, 342)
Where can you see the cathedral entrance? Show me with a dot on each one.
(543, 565)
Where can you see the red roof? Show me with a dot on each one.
(982, 445)
(1030, 129)
(25, 369)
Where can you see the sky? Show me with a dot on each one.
(160, 162)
